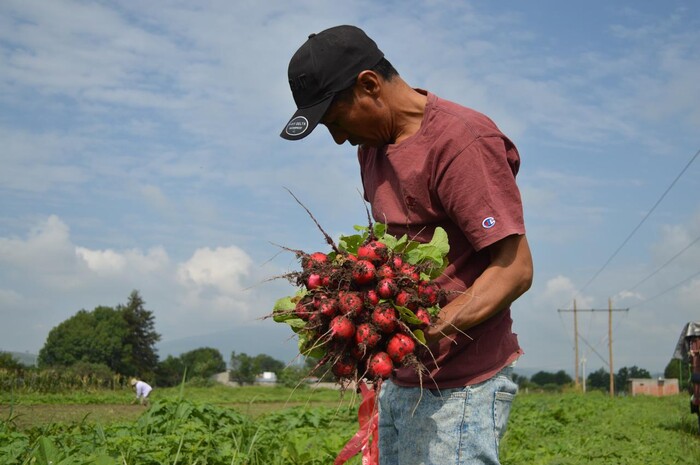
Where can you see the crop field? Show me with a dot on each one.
(265, 425)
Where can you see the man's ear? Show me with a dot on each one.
(369, 82)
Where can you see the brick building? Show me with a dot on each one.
(653, 387)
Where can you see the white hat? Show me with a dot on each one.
(133, 381)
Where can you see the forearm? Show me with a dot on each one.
(507, 277)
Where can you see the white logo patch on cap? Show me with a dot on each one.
(297, 126)
(489, 222)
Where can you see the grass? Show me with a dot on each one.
(564, 429)
(544, 429)
(107, 407)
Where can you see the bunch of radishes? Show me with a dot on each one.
(361, 308)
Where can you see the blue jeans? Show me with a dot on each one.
(459, 426)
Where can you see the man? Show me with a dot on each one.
(143, 389)
(427, 162)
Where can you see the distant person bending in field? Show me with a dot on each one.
(142, 391)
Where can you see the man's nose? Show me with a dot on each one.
(339, 136)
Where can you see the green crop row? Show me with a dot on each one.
(576, 429)
(544, 429)
(57, 380)
(186, 432)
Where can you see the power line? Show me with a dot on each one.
(665, 264)
(593, 349)
(667, 290)
(577, 335)
(607, 262)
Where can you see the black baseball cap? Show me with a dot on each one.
(326, 64)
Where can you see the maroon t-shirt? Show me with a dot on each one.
(458, 172)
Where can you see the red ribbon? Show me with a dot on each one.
(365, 440)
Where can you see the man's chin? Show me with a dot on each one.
(364, 145)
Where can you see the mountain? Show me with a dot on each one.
(24, 358)
(273, 340)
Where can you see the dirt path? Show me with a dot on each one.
(24, 416)
(27, 416)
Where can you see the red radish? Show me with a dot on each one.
(313, 281)
(385, 271)
(380, 365)
(302, 310)
(359, 352)
(366, 336)
(399, 346)
(357, 308)
(314, 259)
(341, 328)
(363, 272)
(384, 317)
(372, 297)
(315, 321)
(428, 292)
(423, 315)
(344, 367)
(386, 288)
(328, 307)
(409, 271)
(374, 251)
(318, 298)
(350, 303)
(405, 298)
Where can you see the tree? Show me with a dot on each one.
(245, 369)
(9, 362)
(681, 370)
(263, 362)
(92, 337)
(624, 374)
(203, 362)
(599, 379)
(242, 369)
(122, 339)
(292, 377)
(170, 371)
(542, 378)
(141, 337)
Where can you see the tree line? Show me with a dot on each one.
(108, 345)
(599, 379)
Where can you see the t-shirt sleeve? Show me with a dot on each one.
(478, 191)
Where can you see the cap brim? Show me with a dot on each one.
(305, 120)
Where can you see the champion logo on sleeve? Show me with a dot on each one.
(489, 222)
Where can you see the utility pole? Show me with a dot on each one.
(575, 310)
(576, 346)
(610, 351)
(576, 363)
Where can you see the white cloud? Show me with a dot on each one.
(625, 295)
(47, 247)
(223, 268)
(560, 290)
(110, 262)
(102, 261)
(206, 292)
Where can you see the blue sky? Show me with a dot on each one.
(140, 150)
